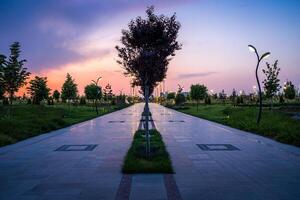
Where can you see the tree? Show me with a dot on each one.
(148, 46)
(289, 90)
(107, 92)
(38, 89)
(14, 74)
(233, 96)
(171, 95)
(271, 82)
(69, 89)
(198, 92)
(222, 96)
(56, 95)
(93, 92)
(180, 99)
(2, 64)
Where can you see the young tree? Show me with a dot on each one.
(233, 97)
(171, 95)
(107, 92)
(14, 74)
(38, 89)
(222, 96)
(198, 92)
(69, 89)
(148, 46)
(289, 90)
(2, 64)
(93, 92)
(271, 82)
(56, 95)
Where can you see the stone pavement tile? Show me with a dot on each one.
(148, 186)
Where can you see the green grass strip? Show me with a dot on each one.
(136, 161)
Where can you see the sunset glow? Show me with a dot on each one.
(79, 37)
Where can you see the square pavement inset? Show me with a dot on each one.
(77, 147)
(176, 121)
(217, 147)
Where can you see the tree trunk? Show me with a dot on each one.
(197, 104)
(147, 121)
(96, 107)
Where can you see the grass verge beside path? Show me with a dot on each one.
(32, 120)
(275, 124)
(135, 161)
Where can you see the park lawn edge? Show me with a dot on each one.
(68, 124)
(225, 123)
(160, 163)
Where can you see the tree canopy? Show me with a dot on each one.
(271, 82)
(38, 89)
(289, 90)
(14, 74)
(93, 92)
(56, 95)
(69, 89)
(147, 48)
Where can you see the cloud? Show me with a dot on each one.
(193, 75)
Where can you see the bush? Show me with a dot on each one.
(82, 101)
(180, 99)
(207, 101)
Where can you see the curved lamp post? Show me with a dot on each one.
(265, 55)
(98, 92)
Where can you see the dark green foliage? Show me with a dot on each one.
(207, 100)
(50, 101)
(171, 95)
(233, 96)
(136, 162)
(38, 89)
(14, 74)
(289, 90)
(198, 92)
(107, 92)
(180, 99)
(69, 89)
(148, 46)
(56, 95)
(82, 101)
(281, 99)
(93, 92)
(271, 82)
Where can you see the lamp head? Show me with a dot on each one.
(251, 48)
(265, 55)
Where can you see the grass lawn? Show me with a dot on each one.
(32, 120)
(276, 124)
(135, 161)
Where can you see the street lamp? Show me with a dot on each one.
(265, 55)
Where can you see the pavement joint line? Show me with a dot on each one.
(171, 187)
(124, 188)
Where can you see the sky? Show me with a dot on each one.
(79, 37)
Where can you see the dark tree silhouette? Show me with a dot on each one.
(198, 92)
(38, 89)
(93, 92)
(14, 74)
(56, 95)
(147, 48)
(271, 82)
(69, 89)
(289, 90)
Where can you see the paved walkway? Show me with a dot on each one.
(260, 169)
(43, 168)
(32, 169)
